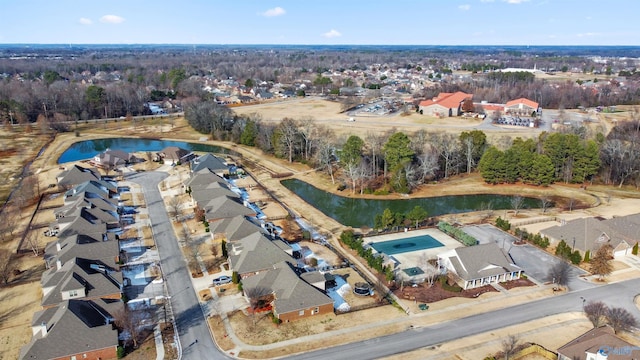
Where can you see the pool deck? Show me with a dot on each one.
(412, 258)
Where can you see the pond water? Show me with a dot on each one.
(87, 149)
(360, 212)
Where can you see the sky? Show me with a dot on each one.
(325, 22)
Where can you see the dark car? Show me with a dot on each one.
(221, 280)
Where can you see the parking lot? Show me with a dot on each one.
(516, 121)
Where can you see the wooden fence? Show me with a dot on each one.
(536, 349)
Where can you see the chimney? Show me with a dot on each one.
(43, 328)
(58, 247)
(58, 264)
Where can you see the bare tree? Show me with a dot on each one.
(33, 241)
(289, 136)
(545, 202)
(596, 312)
(259, 297)
(428, 165)
(509, 346)
(517, 202)
(131, 321)
(601, 262)
(175, 205)
(6, 266)
(325, 157)
(214, 250)
(559, 273)
(430, 272)
(620, 319)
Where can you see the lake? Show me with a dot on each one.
(358, 212)
(87, 149)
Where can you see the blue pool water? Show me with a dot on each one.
(399, 246)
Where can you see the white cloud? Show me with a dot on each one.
(464, 7)
(85, 21)
(332, 34)
(587, 34)
(487, 1)
(112, 19)
(515, 1)
(276, 11)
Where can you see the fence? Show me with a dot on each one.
(536, 349)
(533, 221)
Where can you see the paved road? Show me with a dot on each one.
(618, 295)
(189, 318)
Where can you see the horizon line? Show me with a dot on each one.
(242, 44)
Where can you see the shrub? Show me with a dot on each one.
(457, 233)
(120, 352)
(235, 278)
(634, 251)
(381, 192)
(445, 285)
(306, 234)
(342, 187)
(503, 224)
(587, 256)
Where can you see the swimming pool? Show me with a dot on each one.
(399, 246)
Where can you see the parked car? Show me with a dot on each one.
(221, 280)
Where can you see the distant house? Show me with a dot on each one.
(76, 175)
(479, 265)
(521, 106)
(174, 155)
(445, 104)
(75, 329)
(290, 297)
(103, 248)
(224, 207)
(621, 233)
(113, 159)
(598, 344)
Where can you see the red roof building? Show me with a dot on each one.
(445, 104)
(521, 106)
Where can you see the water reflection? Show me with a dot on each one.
(361, 212)
(87, 149)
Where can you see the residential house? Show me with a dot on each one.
(106, 189)
(290, 297)
(255, 253)
(88, 216)
(74, 329)
(80, 278)
(84, 223)
(598, 344)
(175, 155)
(204, 177)
(211, 162)
(479, 265)
(101, 247)
(224, 207)
(234, 228)
(521, 106)
(445, 104)
(621, 233)
(76, 175)
(112, 159)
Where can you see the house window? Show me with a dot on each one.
(316, 310)
(73, 357)
(73, 293)
(301, 312)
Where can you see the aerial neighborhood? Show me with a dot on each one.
(300, 202)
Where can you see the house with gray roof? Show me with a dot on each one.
(203, 196)
(291, 297)
(204, 177)
(114, 159)
(108, 188)
(224, 207)
(621, 233)
(85, 223)
(80, 278)
(255, 253)
(102, 247)
(211, 162)
(76, 175)
(480, 265)
(234, 228)
(175, 155)
(598, 343)
(74, 329)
